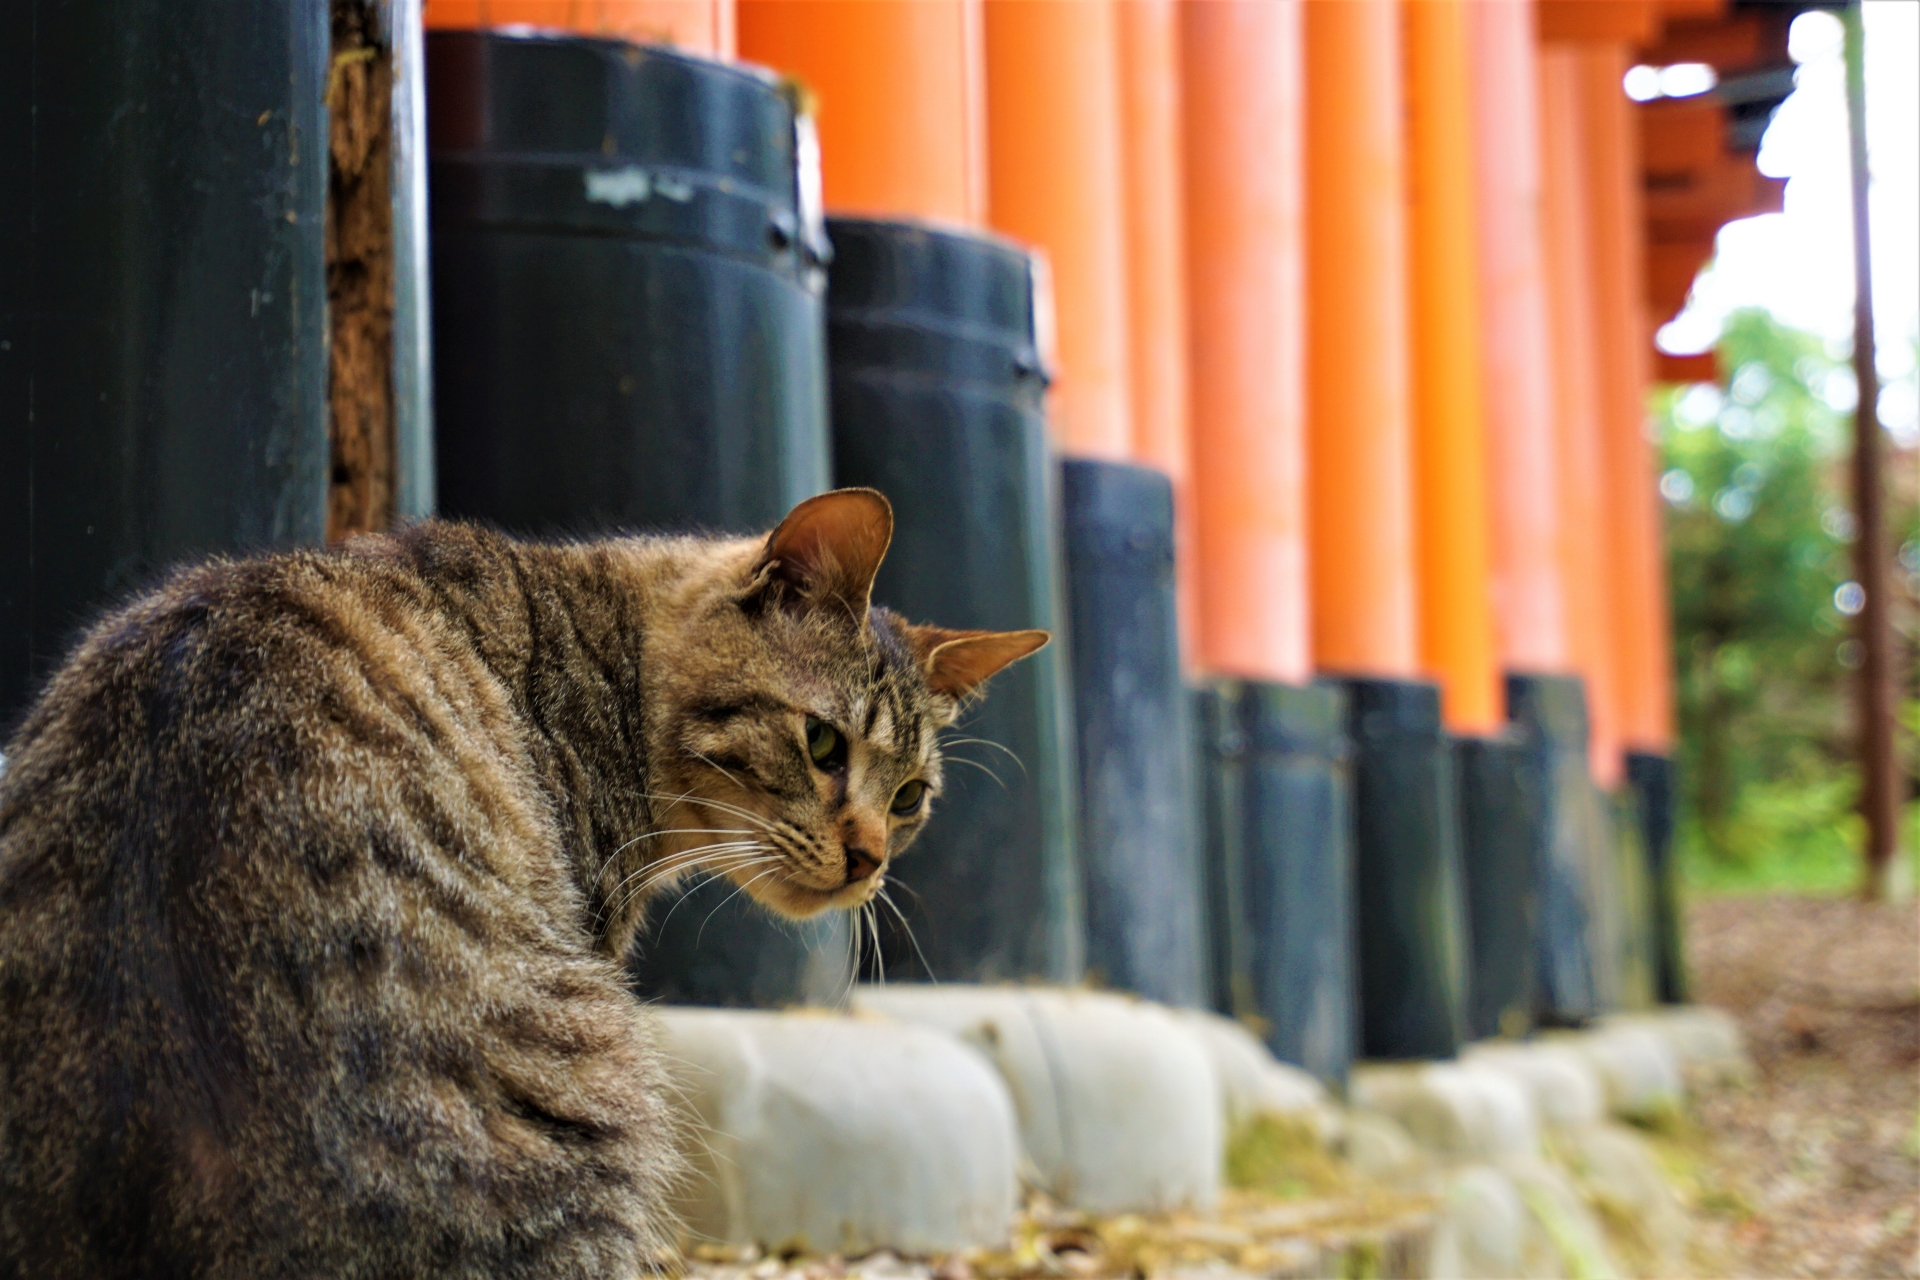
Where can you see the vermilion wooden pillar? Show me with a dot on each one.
(898, 96)
(1449, 440)
(1054, 182)
(1516, 350)
(1359, 438)
(1242, 138)
(1585, 565)
(1631, 526)
(702, 26)
(1156, 265)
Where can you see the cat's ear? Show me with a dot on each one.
(827, 549)
(958, 662)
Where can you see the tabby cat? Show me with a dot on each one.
(317, 871)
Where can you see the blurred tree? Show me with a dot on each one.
(1757, 536)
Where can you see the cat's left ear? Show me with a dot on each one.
(957, 663)
(828, 549)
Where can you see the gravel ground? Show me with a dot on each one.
(1814, 1170)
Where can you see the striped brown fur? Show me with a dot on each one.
(317, 871)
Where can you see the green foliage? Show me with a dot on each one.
(1759, 542)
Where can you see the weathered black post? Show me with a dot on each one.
(1550, 712)
(1146, 921)
(1410, 913)
(162, 300)
(938, 402)
(1502, 843)
(628, 332)
(1651, 777)
(1300, 872)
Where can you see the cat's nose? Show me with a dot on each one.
(860, 864)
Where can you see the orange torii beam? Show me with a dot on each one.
(1241, 73)
(899, 99)
(1631, 525)
(701, 26)
(1585, 567)
(1359, 437)
(1156, 266)
(1452, 512)
(1054, 182)
(1517, 353)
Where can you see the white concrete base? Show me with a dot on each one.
(1564, 1087)
(1638, 1069)
(1377, 1147)
(1119, 1104)
(1454, 1110)
(840, 1134)
(1255, 1083)
(1707, 1041)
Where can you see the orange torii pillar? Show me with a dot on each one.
(1157, 269)
(1054, 183)
(1409, 922)
(1449, 440)
(1585, 564)
(1637, 599)
(1517, 354)
(699, 26)
(1359, 437)
(1632, 527)
(898, 99)
(1242, 143)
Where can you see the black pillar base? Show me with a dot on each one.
(1145, 917)
(1652, 779)
(1550, 713)
(1410, 913)
(1501, 839)
(1276, 794)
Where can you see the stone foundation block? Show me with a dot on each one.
(1564, 1087)
(840, 1134)
(1119, 1104)
(1453, 1110)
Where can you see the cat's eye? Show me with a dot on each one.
(907, 800)
(825, 745)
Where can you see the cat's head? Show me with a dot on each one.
(800, 728)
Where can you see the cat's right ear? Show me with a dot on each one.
(828, 549)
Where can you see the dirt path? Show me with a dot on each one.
(1816, 1167)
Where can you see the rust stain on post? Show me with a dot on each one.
(359, 249)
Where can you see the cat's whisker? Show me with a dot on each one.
(669, 831)
(738, 890)
(985, 742)
(775, 859)
(654, 872)
(687, 857)
(717, 867)
(731, 810)
(892, 906)
(712, 873)
(872, 918)
(719, 858)
(977, 765)
(725, 772)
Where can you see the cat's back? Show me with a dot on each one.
(241, 688)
